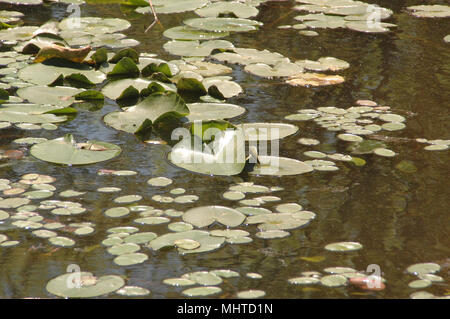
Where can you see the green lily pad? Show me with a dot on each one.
(279, 166)
(204, 278)
(238, 9)
(65, 150)
(58, 95)
(83, 285)
(272, 234)
(195, 48)
(95, 25)
(213, 111)
(423, 268)
(127, 199)
(130, 259)
(343, 246)
(61, 241)
(206, 215)
(133, 291)
(201, 291)
(140, 238)
(151, 108)
(188, 33)
(115, 89)
(224, 156)
(251, 294)
(420, 283)
(430, 11)
(280, 69)
(178, 282)
(333, 280)
(13, 202)
(246, 56)
(207, 242)
(304, 280)
(223, 24)
(48, 71)
(172, 6)
(281, 221)
(18, 33)
(116, 212)
(121, 249)
(34, 114)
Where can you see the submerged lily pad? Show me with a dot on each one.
(238, 9)
(65, 150)
(83, 285)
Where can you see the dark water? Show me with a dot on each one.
(400, 218)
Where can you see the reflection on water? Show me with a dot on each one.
(400, 218)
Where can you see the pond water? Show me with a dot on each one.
(401, 218)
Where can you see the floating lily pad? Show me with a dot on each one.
(133, 291)
(61, 241)
(207, 242)
(247, 56)
(333, 280)
(65, 150)
(127, 199)
(272, 234)
(304, 280)
(48, 71)
(420, 283)
(430, 11)
(238, 9)
(224, 156)
(116, 212)
(272, 165)
(151, 108)
(195, 48)
(206, 215)
(201, 291)
(423, 268)
(314, 79)
(159, 181)
(344, 246)
(83, 285)
(188, 33)
(223, 24)
(281, 221)
(268, 131)
(126, 248)
(251, 294)
(140, 238)
(173, 6)
(130, 259)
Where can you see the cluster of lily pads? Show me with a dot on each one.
(367, 119)
(36, 187)
(331, 14)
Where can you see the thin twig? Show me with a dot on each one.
(154, 15)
